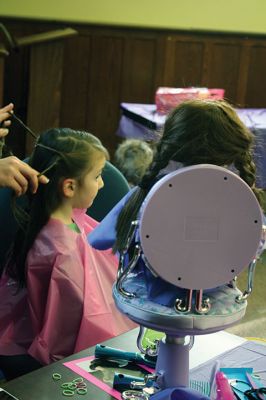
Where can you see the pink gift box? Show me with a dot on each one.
(167, 98)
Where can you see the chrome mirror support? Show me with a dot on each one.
(182, 305)
(150, 351)
(126, 272)
(131, 234)
(251, 273)
(202, 305)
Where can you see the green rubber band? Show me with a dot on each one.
(78, 380)
(68, 392)
(81, 390)
(66, 385)
(72, 386)
(56, 376)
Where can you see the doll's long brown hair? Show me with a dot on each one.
(196, 132)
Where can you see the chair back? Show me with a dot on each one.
(115, 187)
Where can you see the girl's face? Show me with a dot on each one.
(92, 182)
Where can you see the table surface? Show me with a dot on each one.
(252, 117)
(40, 385)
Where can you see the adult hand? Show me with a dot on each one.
(18, 176)
(4, 121)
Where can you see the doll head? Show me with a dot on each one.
(195, 132)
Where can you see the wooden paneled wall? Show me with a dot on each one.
(80, 82)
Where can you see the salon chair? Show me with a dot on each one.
(198, 228)
(115, 188)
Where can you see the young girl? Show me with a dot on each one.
(196, 132)
(55, 294)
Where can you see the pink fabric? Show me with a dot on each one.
(68, 304)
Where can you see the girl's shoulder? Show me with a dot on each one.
(84, 221)
(55, 237)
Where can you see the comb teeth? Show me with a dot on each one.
(201, 386)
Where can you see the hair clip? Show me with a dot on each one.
(48, 148)
(48, 168)
(13, 115)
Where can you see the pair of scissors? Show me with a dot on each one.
(254, 387)
(254, 392)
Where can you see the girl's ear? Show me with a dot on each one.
(68, 187)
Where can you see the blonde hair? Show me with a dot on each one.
(133, 157)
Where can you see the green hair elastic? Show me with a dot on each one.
(69, 388)
(56, 376)
(81, 390)
(68, 392)
(69, 385)
(78, 380)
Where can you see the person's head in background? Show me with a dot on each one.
(196, 132)
(73, 162)
(132, 158)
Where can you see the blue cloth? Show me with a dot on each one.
(104, 235)
(103, 238)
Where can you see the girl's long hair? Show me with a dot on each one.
(196, 132)
(59, 154)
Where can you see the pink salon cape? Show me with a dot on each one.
(68, 304)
